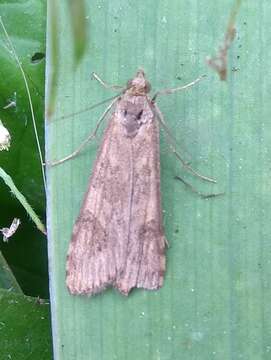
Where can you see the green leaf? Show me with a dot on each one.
(24, 328)
(20, 197)
(52, 56)
(7, 279)
(26, 252)
(78, 29)
(25, 24)
(215, 303)
(78, 21)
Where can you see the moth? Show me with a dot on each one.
(118, 238)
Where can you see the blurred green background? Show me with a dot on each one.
(24, 320)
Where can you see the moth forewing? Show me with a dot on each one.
(118, 238)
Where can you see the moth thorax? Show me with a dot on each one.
(132, 117)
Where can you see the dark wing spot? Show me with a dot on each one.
(139, 114)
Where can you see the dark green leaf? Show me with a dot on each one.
(7, 279)
(25, 24)
(26, 252)
(24, 327)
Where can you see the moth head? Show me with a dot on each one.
(139, 85)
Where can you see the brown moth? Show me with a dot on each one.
(118, 238)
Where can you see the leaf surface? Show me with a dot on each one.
(215, 300)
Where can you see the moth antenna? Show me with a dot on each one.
(172, 91)
(105, 85)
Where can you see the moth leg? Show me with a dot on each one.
(189, 168)
(86, 141)
(88, 108)
(172, 91)
(194, 190)
(172, 145)
(107, 86)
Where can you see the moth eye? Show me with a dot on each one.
(125, 112)
(139, 115)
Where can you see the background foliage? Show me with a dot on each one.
(24, 321)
